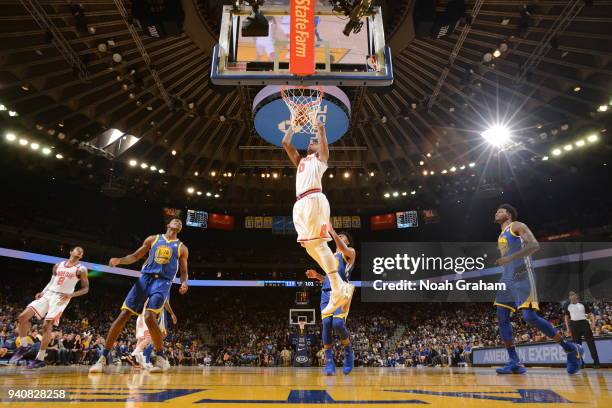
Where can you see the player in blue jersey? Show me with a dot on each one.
(516, 244)
(167, 256)
(336, 321)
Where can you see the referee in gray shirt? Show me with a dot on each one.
(578, 321)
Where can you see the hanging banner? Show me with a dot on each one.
(302, 39)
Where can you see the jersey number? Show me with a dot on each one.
(60, 280)
(301, 167)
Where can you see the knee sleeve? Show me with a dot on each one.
(532, 318)
(340, 327)
(326, 334)
(320, 252)
(505, 325)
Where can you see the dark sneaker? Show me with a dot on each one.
(19, 353)
(36, 364)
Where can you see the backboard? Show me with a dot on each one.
(360, 59)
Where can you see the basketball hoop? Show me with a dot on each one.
(303, 103)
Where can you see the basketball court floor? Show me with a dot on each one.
(372, 387)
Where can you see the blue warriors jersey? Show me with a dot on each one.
(163, 258)
(509, 243)
(344, 270)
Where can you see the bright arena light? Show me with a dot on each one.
(387, 195)
(144, 165)
(347, 174)
(34, 146)
(497, 135)
(592, 138)
(395, 194)
(23, 142)
(46, 151)
(133, 163)
(567, 147)
(556, 152)
(580, 143)
(59, 156)
(11, 137)
(190, 190)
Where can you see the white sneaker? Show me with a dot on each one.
(161, 365)
(139, 356)
(337, 299)
(99, 366)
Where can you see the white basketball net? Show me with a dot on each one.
(303, 103)
(302, 325)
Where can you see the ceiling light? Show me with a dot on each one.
(472, 164)
(133, 163)
(371, 174)
(602, 108)
(453, 169)
(556, 152)
(395, 194)
(2, 107)
(387, 195)
(23, 142)
(208, 194)
(580, 143)
(404, 193)
(497, 135)
(161, 171)
(331, 175)
(425, 172)
(444, 171)
(34, 146)
(174, 152)
(217, 196)
(143, 165)
(347, 174)
(59, 156)
(229, 174)
(413, 192)
(428, 154)
(190, 190)
(497, 53)
(10, 137)
(462, 167)
(199, 193)
(544, 158)
(213, 173)
(153, 168)
(422, 163)
(431, 173)
(567, 147)
(592, 138)
(275, 175)
(13, 113)
(195, 173)
(577, 89)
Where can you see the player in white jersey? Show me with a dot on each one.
(51, 302)
(311, 212)
(143, 338)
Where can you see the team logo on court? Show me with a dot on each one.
(163, 254)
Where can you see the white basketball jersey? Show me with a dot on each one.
(309, 174)
(65, 278)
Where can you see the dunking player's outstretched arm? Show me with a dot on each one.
(183, 256)
(312, 274)
(292, 152)
(349, 253)
(133, 257)
(530, 243)
(323, 146)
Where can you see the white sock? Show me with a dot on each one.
(41, 355)
(334, 281)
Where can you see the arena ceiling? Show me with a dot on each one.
(546, 87)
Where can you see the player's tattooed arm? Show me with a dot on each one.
(133, 257)
(183, 256)
(292, 152)
(312, 274)
(348, 252)
(83, 289)
(323, 146)
(42, 292)
(530, 243)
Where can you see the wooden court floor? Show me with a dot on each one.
(306, 387)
